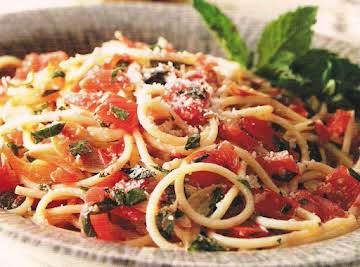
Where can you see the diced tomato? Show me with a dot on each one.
(278, 163)
(189, 102)
(60, 176)
(322, 132)
(87, 101)
(99, 79)
(35, 62)
(16, 137)
(116, 59)
(259, 129)
(106, 154)
(241, 90)
(94, 195)
(224, 156)
(340, 187)
(322, 207)
(108, 231)
(232, 132)
(129, 213)
(111, 180)
(247, 230)
(338, 122)
(104, 114)
(8, 179)
(271, 204)
(297, 105)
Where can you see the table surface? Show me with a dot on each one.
(334, 19)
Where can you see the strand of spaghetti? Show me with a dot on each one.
(59, 193)
(304, 126)
(9, 61)
(348, 134)
(67, 209)
(290, 128)
(29, 192)
(303, 213)
(139, 242)
(223, 205)
(260, 112)
(24, 207)
(341, 156)
(144, 153)
(310, 175)
(256, 167)
(103, 134)
(200, 219)
(120, 162)
(171, 149)
(260, 100)
(30, 145)
(289, 225)
(313, 165)
(80, 116)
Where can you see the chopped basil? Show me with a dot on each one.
(47, 132)
(354, 174)
(44, 187)
(160, 169)
(119, 197)
(303, 201)
(81, 147)
(121, 67)
(30, 158)
(153, 46)
(84, 188)
(156, 77)
(165, 223)
(49, 92)
(41, 108)
(217, 195)
(58, 73)
(193, 142)
(9, 200)
(87, 227)
(286, 209)
(103, 174)
(120, 113)
(106, 205)
(138, 172)
(14, 148)
(286, 177)
(201, 158)
(314, 151)
(170, 195)
(196, 92)
(246, 183)
(204, 243)
(280, 144)
(104, 124)
(135, 196)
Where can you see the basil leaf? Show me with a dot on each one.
(224, 30)
(14, 148)
(201, 158)
(81, 147)
(165, 223)
(160, 169)
(58, 73)
(44, 187)
(217, 195)
(354, 174)
(286, 177)
(193, 142)
(204, 243)
(9, 200)
(47, 132)
(87, 227)
(134, 196)
(120, 113)
(314, 151)
(290, 32)
(49, 92)
(138, 172)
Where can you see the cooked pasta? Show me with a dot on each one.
(147, 146)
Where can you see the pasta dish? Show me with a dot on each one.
(147, 146)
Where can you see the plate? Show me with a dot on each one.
(80, 29)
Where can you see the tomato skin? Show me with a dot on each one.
(129, 213)
(224, 156)
(297, 105)
(247, 230)
(259, 129)
(338, 122)
(187, 108)
(85, 100)
(95, 194)
(278, 163)
(106, 154)
(340, 187)
(8, 179)
(105, 115)
(322, 132)
(111, 180)
(108, 231)
(271, 204)
(99, 79)
(322, 207)
(233, 133)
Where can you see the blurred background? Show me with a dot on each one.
(337, 18)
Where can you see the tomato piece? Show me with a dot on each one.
(189, 102)
(108, 231)
(259, 129)
(232, 132)
(16, 137)
(322, 132)
(106, 154)
(87, 101)
(297, 105)
(128, 123)
(340, 187)
(338, 122)
(8, 178)
(271, 204)
(94, 195)
(247, 230)
(111, 180)
(99, 79)
(129, 213)
(224, 156)
(322, 207)
(60, 176)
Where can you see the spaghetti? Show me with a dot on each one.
(147, 146)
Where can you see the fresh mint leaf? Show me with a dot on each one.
(224, 30)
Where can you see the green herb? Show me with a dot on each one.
(156, 76)
(303, 201)
(135, 196)
(224, 30)
(44, 187)
(81, 147)
(160, 169)
(106, 205)
(153, 46)
(115, 72)
(204, 243)
(354, 174)
(119, 197)
(286, 177)
(49, 92)
(104, 124)
(280, 144)
(84, 188)
(14, 148)
(201, 158)
(47, 132)
(87, 227)
(170, 195)
(165, 223)
(138, 172)
(41, 108)
(286, 209)
(58, 73)
(217, 195)
(314, 151)
(103, 174)
(193, 142)
(119, 113)
(30, 158)
(9, 200)
(196, 92)
(246, 183)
